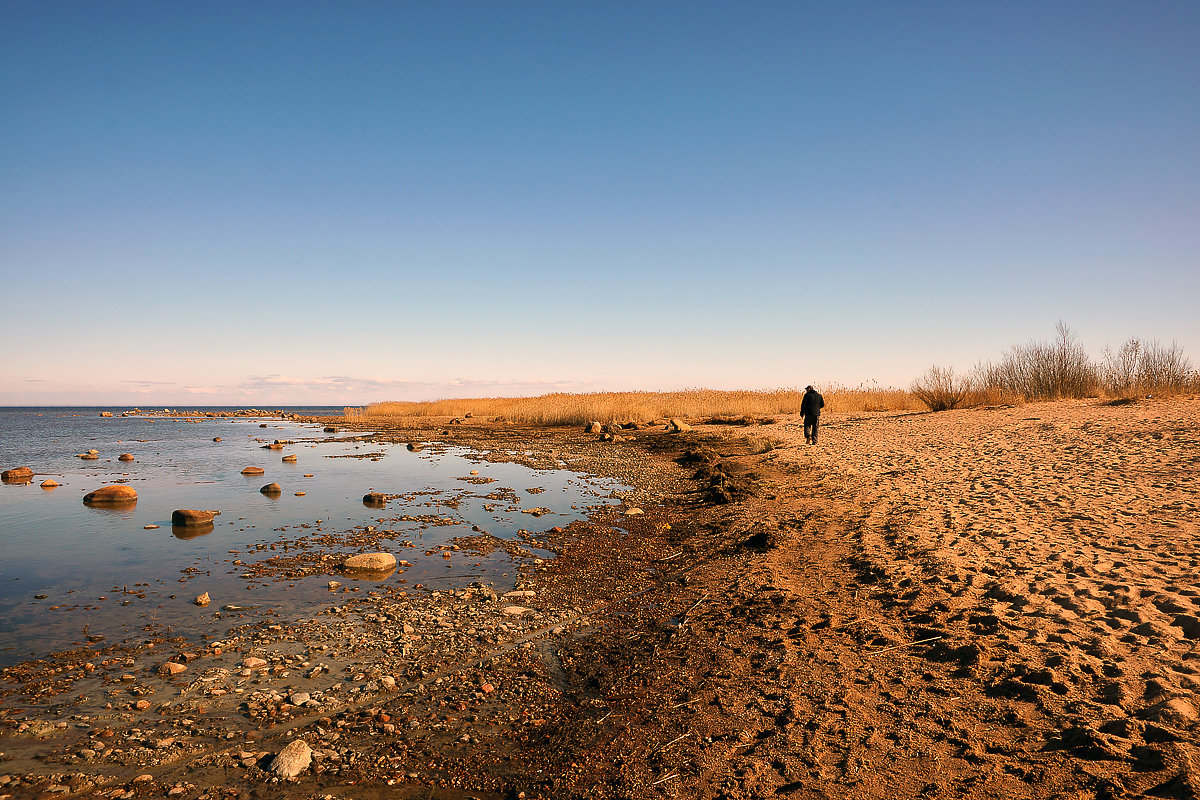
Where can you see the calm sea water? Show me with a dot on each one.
(64, 565)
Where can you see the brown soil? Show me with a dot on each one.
(978, 603)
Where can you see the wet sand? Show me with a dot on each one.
(978, 603)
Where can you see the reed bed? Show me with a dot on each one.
(579, 409)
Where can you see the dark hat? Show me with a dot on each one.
(808, 388)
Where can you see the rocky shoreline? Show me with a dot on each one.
(778, 620)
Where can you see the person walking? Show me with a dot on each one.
(810, 411)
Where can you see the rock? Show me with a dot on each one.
(253, 471)
(216, 438)
(171, 668)
(142, 705)
(593, 427)
(272, 488)
(370, 562)
(515, 611)
(17, 475)
(299, 698)
(388, 682)
(301, 494)
(290, 459)
(634, 512)
(93, 452)
(330, 429)
(253, 662)
(677, 425)
(150, 527)
(293, 759)
(273, 446)
(111, 495)
(203, 600)
(50, 483)
(413, 446)
(184, 517)
(125, 457)
(374, 498)
(106, 413)
(334, 585)
(89, 456)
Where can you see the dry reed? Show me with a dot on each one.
(579, 409)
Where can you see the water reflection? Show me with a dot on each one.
(192, 531)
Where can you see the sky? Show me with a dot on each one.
(294, 203)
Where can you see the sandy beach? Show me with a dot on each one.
(992, 602)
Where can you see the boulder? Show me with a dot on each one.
(171, 668)
(216, 438)
(677, 425)
(370, 562)
(202, 600)
(413, 446)
(374, 498)
(125, 457)
(593, 427)
(273, 446)
(17, 475)
(50, 483)
(89, 456)
(272, 488)
(253, 471)
(106, 413)
(330, 429)
(111, 496)
(290, 459)
(292, 760)
(184, 517)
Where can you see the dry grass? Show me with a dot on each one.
(579, 409)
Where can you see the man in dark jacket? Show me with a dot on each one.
(810, 410)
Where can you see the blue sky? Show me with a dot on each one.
(287, 203)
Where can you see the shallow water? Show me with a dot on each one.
(65, 565)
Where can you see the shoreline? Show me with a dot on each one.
(858, 619)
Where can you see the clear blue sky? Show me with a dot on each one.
(295, 202)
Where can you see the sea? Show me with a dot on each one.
(71, 573)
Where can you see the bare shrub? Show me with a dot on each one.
(980, 395)
(1139, 368)
(1043, 370)
(939, 389)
